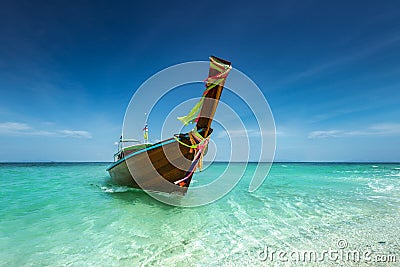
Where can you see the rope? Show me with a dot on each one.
(199, 144)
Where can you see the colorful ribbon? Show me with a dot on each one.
(211, 82)
(199, 144)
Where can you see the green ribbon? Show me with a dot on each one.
(189, 118)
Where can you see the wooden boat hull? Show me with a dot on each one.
(168, 166)
(155, 168)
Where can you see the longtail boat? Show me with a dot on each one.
(168, 166)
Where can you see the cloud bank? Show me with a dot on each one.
(17, 128)
(383, 129)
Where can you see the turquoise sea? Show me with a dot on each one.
(69, 214)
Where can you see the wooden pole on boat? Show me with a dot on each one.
(212, 96)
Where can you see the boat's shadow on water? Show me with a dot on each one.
(129, 195)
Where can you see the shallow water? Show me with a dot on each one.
(70, 214)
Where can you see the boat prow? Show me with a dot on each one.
(168, 166)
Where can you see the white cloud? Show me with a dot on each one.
(17, 128)
(75, 134)
(384, 129)
(11, 127)
(243, 132)
(237, 133)
(327, 134)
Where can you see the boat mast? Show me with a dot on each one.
(146, 130)
(212, 96)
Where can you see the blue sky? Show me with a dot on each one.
(329, 70)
